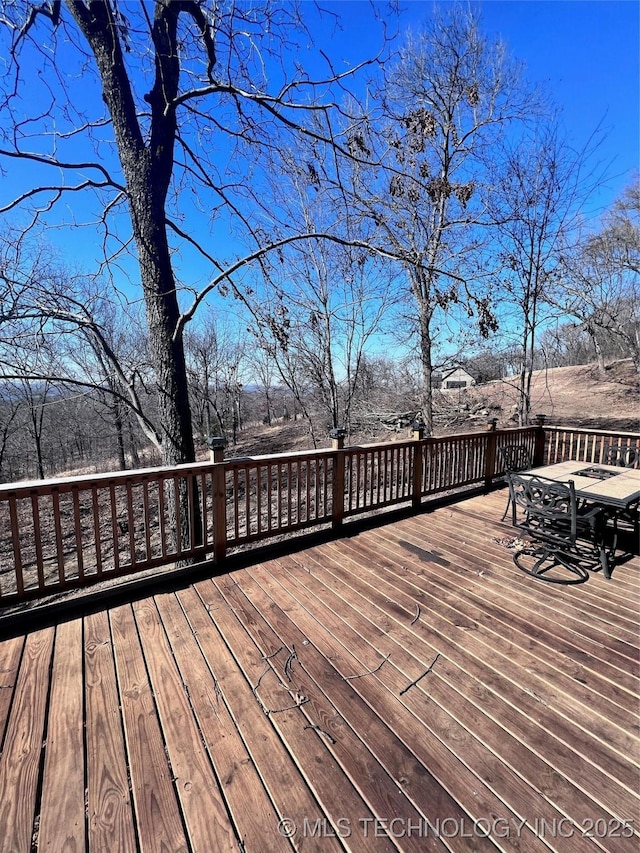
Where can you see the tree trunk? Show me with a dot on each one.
(117, 421)
(167, 356)
(148, 167)
(524, 402)
(426, 398)
(133, 445)
(598, 351)
(266, 394)
(37, 417)
(147, 163)
(37, 441)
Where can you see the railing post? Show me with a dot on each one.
(418, 436)
(538, 451)
(219, 496)
(337, 502)
(490, 458)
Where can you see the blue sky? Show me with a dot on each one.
(587, 52)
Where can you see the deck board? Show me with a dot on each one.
(411, 717)
(332, 711)
(234, 772)
(316, 767)
(10, 654)
(248, 736)
(202, 805)
(22, 751)
(558, 718)
(62, 810)
(109, 807)
(158, 818)
(482, 636)
(550, 634)
(402, 688)
(493, 656)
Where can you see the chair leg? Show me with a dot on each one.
(606, 556)
(506, 509)
(514, 512)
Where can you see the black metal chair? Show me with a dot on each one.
(515, 457)
(568, 537)
(622, 455)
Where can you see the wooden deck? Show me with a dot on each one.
(405, 688)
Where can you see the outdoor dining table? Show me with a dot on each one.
(608, 485)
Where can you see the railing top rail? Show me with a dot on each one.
(379, 445)
(87, 480)
(436, 438)
(265, 458)
(476, 433)
(584, 430)
(139, 475)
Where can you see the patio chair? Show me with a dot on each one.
(616, 454)
(515, 457)
(568, 537)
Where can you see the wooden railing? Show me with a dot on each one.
(59, 534)
(585, 445)
(271, 495)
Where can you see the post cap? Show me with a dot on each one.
(418, 425)
(338, 432)
(540, 419)
(216, 442)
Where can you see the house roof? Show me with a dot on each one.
(446, 374)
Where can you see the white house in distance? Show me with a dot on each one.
(457, 378)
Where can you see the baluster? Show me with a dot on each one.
(96, 528)
(130, 522)
(15, 539)
(161, 516)
(259, 494)
(114, 528)
(78, 532)
(37, 538)
(58, 534)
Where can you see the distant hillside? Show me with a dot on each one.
(567, 395)
(575, 396)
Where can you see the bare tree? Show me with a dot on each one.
(215, 356)
(387, 396)
(601, 278)
(35, 396)
(538, 202)
(262, 366)
(181, 82)
(568, 343)
(10, 404)
(316, 315)
(446, 101)
(316, 306)
(619, 239)
(70, 329)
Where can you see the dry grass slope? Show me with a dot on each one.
(576, 396)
